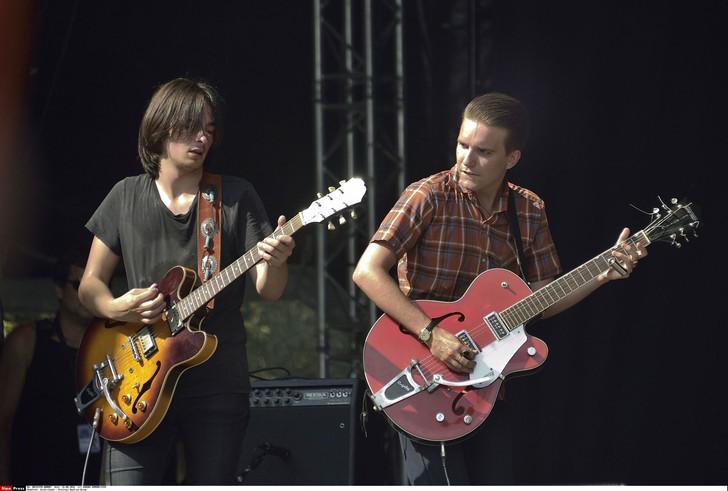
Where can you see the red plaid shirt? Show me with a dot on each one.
(443, 242)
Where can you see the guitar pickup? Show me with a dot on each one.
(496, 325)
(467, 340)
(146, 341)
(174, 319)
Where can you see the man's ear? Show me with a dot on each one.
(513, 159)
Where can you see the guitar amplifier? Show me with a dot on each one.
(308, 431)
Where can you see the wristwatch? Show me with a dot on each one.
(426, 332)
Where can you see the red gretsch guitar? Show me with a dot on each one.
(126, 373)
(422, 398)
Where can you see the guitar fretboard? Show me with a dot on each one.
(204, 293)
(540, 300)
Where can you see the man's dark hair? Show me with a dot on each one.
(177, 109)
(74, 256)
(502, 111)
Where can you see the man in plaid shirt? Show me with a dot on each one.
(442, 233)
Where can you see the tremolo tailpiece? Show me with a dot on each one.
(402, 386)
(100, 385)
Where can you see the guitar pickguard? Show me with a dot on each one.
(493, 358)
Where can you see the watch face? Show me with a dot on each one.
(425, 334)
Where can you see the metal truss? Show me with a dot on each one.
(359, 126)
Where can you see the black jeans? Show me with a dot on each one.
(484, 458)
(211, 431)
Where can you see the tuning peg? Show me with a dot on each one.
(319, 195)
(342, 182)
(353, 215)
(342, 220)
(331, 226)
(332, 189)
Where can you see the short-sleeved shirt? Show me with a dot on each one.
(136, 225)
(443, 242)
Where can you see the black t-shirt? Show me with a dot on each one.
(136, 225)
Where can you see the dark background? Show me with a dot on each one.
(627, 104)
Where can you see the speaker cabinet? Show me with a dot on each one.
(308, 431)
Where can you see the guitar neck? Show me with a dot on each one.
(540, 300)
(204, 293)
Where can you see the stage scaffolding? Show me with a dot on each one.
(359, 132)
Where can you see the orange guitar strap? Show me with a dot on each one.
(209, 218)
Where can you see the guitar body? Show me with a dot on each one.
(448, 413)
(142, 365)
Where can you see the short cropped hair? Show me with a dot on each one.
(502, 111)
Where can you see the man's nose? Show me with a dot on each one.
(468, 158)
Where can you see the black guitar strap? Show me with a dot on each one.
(513, 220)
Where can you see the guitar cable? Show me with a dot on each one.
(94, 426)
(444, 462)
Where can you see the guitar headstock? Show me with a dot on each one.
(347, 195)
(672, 223)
